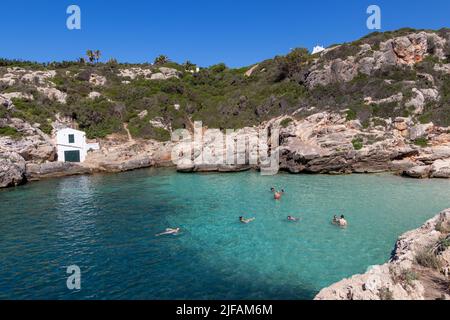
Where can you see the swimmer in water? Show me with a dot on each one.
(169, 231)
(243, 220)
(291, 218)
(342, 221)
(277, 195)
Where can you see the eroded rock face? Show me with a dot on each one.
(440, 169)
(53, 94)
(400, 51)
(419, 172)
(33, 146)
(16, 74)
(328, 143)
(165, 73)
(118, 154)
(133, 73)
(12, 169)
(388, 281)
(54, 169)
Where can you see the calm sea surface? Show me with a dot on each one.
(106, 225)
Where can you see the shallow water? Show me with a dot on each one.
(106, 224)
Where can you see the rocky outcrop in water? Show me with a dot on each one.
(328, 143)
(12, 169)
(36, 171)
(418, 269)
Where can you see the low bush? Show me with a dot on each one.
(421, 142)
(385, 294)
(357, 143)
(426, 258)
(285, 122)
(10, 132)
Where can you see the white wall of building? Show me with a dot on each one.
(63, 144)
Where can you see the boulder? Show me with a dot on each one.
(97, 80)
(12, 169)
(94, 95)
(440, 169)
(419, 172)
(53, 94)
(417, 102)
(420, 130)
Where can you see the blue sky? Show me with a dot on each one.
(238, 33)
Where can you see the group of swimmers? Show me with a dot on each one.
(277, 196)
(340, 221)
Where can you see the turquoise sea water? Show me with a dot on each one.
(106, 224)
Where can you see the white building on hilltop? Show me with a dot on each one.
(317, 49)
(71, 145)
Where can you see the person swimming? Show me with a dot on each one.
(291, 218)
(243, 220)
(277, 195)
(272, 189)
(342, 221)
(169, 231)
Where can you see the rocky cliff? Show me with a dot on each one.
(418, 269)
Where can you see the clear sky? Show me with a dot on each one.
(237, 32)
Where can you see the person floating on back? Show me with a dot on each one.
(243, 220)
(169, 231)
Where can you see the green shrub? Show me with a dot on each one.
(285, 122)
(357, 143)
(409, 276)
(421, 142)
(444, 243)
(351, 115)
(10, 132)
(424, 118)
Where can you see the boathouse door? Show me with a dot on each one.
(72, 156)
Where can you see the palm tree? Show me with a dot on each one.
(161, 59)
(97, 54)
(90, 55)
(188, 65)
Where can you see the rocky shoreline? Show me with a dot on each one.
(323, 143)
(417, 270)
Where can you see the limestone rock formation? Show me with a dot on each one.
(401, 51)
(12, 169)
(403, 277)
